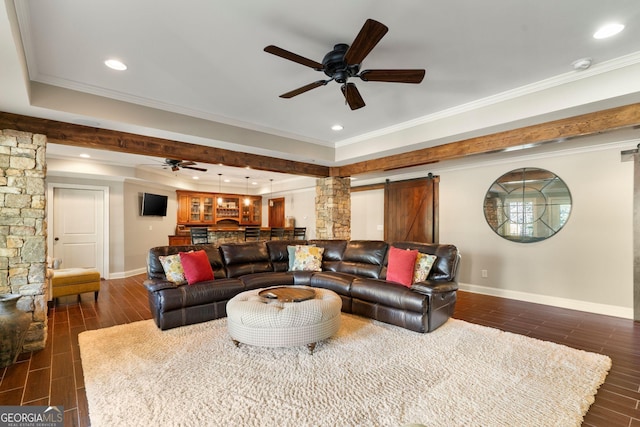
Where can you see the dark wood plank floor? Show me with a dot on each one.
(53, 376)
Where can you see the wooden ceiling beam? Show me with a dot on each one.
(572, 127)
(104, 139)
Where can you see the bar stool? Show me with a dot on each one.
(299, 233)
(277, 233)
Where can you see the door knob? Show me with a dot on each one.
(56, 239)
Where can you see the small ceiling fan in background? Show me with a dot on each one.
(344, 61)
(181, 164)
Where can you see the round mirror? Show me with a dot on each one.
(527, 205)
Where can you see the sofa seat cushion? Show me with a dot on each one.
(389, 294)
(264, 280)
(340, 283)
(198, 294)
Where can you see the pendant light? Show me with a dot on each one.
(219, 189)
(246, 199)
(271, 194)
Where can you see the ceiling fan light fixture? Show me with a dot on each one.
(344, 62)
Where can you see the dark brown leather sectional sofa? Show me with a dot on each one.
(355, 270)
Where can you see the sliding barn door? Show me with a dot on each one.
(411, 210)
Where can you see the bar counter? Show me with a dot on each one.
(219, 235)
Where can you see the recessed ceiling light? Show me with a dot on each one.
(196, 177)
(114, 64)
(254, 183)
(608, 30)
(85, 156)
(227, 180)
(337, 127)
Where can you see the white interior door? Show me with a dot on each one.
(78, 228)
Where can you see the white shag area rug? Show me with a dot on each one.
(369, 374)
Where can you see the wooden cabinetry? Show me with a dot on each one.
(251, 210)
(196, 208)
(179, 240)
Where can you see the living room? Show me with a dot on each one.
(569, 270)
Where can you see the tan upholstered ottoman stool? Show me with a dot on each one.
(74, 281)
(257, 320)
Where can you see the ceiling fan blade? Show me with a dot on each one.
(185, 163)
(368, 37)
(304, 89)
(393, 76)
(352, 95)
(194, 168)
(275, 50)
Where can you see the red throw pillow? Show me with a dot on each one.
(401, 266)
(196, 266)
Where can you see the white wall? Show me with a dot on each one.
(587, 266)
(144, 232)
(367, 215)
(300, 204)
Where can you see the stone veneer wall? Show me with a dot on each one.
(23, 228)
(333, 208)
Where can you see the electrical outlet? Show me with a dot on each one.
(484, 274)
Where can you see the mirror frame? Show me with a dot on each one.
(527, 205)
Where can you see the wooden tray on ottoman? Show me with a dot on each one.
(288, 294)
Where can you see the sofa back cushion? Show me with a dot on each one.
(154, 266)
(363, 258)
(245, 258)
(278, 253)
(445, 267)
(333, 251)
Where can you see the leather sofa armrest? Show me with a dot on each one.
(158, 285)
(430, 287)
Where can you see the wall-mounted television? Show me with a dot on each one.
(154, 205)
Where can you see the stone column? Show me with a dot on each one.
(23, 228)
(333, 208)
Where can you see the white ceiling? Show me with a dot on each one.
(198, 73)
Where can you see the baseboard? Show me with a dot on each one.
(590, 307)
(125, 274)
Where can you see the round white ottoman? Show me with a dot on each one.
(255, 320)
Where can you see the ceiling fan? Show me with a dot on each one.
(181, 164)
(344, 61)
